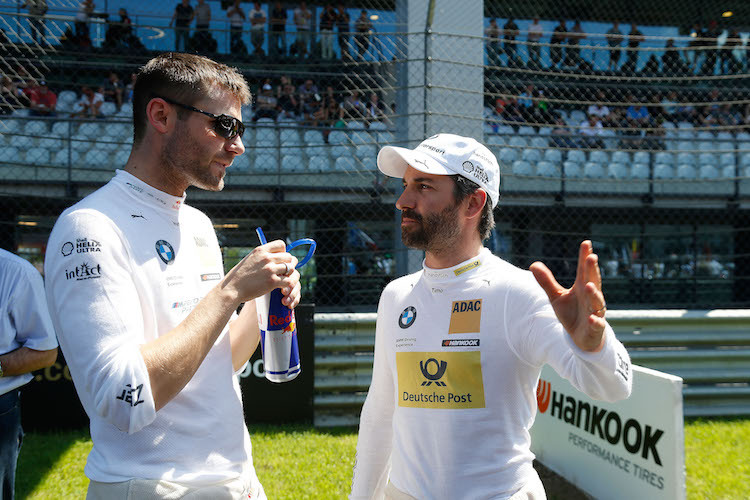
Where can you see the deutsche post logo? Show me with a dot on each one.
(424, 380)
(433, 375)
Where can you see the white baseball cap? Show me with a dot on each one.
(446, 154)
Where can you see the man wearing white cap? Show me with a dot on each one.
(460, 344)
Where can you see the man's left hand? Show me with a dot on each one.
(581, 307)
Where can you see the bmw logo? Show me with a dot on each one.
(407, 317)
(165, 251)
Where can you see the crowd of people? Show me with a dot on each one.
(269, 28)
(639, 120)
(703, 54)
(303, 102)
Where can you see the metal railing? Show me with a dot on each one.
(710, 350)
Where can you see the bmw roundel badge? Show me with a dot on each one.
(407, 317)
(165, 251)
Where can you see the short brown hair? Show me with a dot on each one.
(186, 78)
(462, 188)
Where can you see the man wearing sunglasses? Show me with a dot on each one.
(143, 311)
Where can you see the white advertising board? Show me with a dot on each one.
(629, 449)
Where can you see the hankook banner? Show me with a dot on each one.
(629, 449)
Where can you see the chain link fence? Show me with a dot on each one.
(621, 123)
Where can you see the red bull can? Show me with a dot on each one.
(278, 338)
(278, 327)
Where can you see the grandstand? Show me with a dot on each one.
(660, 181)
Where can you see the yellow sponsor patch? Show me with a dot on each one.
(467, 267)
(448, 380)
(465, 316)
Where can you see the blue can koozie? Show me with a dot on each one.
(278, 327)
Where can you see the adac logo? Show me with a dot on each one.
(165, 251)
(543, 395)
(408, 316)
(433, 375)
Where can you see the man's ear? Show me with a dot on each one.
(475, 203)
(159, 115)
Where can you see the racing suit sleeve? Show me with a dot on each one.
(537, 337)
(96, 310)
(372, 463)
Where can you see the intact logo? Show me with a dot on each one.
(634, 436)
(461, 343)
(165, 251)
(466, 316)
(433, 375)
(210, 276)
(408, 317)
(84, 272)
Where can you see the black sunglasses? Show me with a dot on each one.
(225, 126)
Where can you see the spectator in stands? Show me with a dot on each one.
(202, 16)
(669, 105)
(343, 26)
(37, 9)
(283, 82)
(11, 97)
(119, 35)
(182, 17)
(327, 23)
(534, 36)
(363, 27)
(89, 105)
(694, 52)
(591, 131)
(599, 108)
(266, 104)
(375, 109)
(492, 34)
(614, 40)
(258, 19)
(651, 68)
(711, 48)
(129, 88)
(236, 19)
(307, 90)
(573, 53)
(303, 21)
(709, 113)
(560, 137)
(510, 33)
(289, 105)
(85, 10)
(277, 34)
(729, 64)
(557, 43)
(728, 117)
(113, 89)
(671, 62)
(686, 111)
(636, 119)
(526, 103)
(43, 101)
(635, 38)
(353, 108)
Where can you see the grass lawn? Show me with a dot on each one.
(301, 462)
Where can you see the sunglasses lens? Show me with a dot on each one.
(229, 127)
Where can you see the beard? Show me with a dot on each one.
(435, 232)
(185, 159)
